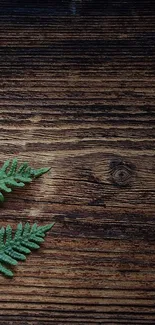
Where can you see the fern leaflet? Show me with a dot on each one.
(14, 248)
(11, 176)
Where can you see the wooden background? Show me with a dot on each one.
(77, 93)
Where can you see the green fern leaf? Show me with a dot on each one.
(14, 248)
(11, 176)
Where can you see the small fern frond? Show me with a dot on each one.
(14, 248)
(11, 176)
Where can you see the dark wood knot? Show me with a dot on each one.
(121, 172)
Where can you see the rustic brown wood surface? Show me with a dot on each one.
(77, 93)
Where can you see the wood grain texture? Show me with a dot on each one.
(77, 94)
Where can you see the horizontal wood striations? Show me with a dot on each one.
(77, 94)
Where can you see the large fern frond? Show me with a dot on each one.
(14, 248)
(11, 176)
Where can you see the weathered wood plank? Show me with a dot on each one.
(77, 94)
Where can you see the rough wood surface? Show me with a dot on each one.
(77, 94)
